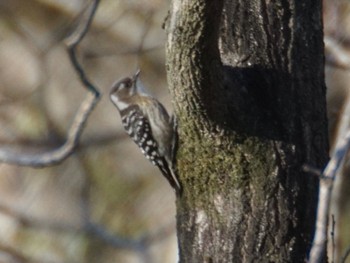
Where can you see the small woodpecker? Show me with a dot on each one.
(148, 124)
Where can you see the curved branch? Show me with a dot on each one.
(58, 155)
(74, 40)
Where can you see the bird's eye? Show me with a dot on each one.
(126, 84)
(123, 85)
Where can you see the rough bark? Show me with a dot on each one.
(247, 82)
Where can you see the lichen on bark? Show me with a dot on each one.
(246, 127)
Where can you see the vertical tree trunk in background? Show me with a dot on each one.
(247, 80)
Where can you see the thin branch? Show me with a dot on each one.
(58, 155)
(336, 54)
(90, 228)
(318, 249)
(104, 235)
(19, 257)
(26, 220)
(121, 52)
(159, 235)
(98, 231)
(74, 40)
(95, 140)
(333, 239)
(346, 255)
(87, 106)
(342, 127)
(328, 191)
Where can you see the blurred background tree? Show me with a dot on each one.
(42, 211)
(108, 179)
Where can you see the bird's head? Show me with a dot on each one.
(124, 89)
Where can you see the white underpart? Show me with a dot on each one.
(121, 105)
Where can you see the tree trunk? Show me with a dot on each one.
(247, 80)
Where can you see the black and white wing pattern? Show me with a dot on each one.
(139, 129)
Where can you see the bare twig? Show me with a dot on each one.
(60, 154)
(327, 185)
(342, 127)
(94, 140)
(121, 52)
(17, 256)
(336, 54)
(90, 228)
(346, 255)
(115, 241)
(14, 254)
(74, 40)
(318, 249)
(333, 239)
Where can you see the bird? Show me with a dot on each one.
(148, 124)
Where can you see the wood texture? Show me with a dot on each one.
(247, 80)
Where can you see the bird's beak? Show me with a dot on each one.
(136, 75)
